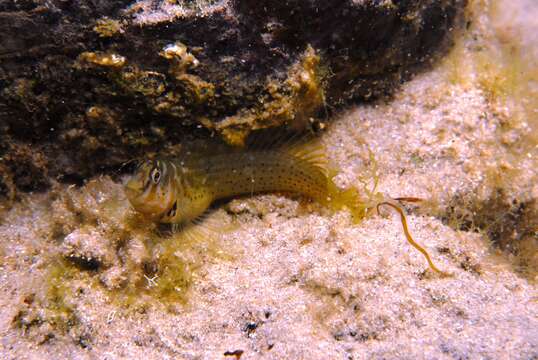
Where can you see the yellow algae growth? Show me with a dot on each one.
(107, 27)
(103, 59)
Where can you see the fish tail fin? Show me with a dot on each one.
(349, 199)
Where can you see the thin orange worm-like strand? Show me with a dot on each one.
(409, 199)
(410, 238)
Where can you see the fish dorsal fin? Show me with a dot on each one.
(305, 147)
(312, 151)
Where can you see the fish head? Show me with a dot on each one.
(149, 189)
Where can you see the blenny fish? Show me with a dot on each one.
(178, 191)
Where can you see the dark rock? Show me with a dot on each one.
(87, 85)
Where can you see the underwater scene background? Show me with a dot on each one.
(433, 100)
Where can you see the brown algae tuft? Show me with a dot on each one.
(510, 225)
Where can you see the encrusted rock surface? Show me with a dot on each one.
(87, 85)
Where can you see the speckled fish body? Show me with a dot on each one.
(180, 190)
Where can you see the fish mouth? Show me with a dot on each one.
(132, 190)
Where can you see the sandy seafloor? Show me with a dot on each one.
(295, 282)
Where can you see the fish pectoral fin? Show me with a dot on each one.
(206, 230)
(216, 222)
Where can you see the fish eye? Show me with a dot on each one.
(155, 175)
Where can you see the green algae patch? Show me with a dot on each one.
(62, 314)
(48, 311)
(105, 246)
(170, 274)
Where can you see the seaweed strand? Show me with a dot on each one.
(408, 234)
